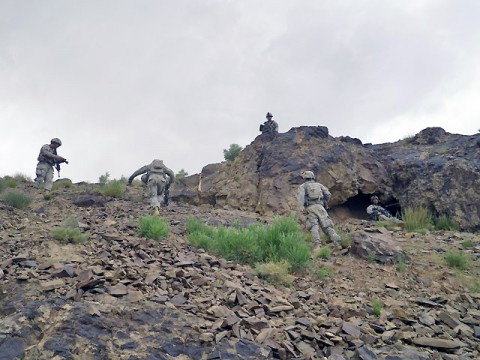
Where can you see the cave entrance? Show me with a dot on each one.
(356, 207)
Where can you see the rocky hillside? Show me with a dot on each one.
(121, 296)
(433, 169)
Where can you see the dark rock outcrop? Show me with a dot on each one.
(434, 169)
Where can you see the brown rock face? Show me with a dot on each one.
(434, 169)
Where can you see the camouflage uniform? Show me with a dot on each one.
(376, 212)
(270, 126)
(314, 208)
(47, 159)
(155, 178)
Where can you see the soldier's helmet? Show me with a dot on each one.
(56, 141)
(374, 197)
(269, 115)
(307, 175)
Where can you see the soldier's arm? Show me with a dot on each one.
(46, 152)
(171, 175)
(140, 171)
(326, 193)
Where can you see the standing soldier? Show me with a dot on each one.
(270, 126)
(313, 197)
(47, 159)
(155, 179)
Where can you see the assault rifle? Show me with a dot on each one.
(57, 166)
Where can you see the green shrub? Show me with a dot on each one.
(274, 272)
(153, 227)
(232, 152)
(323, 253)
(468, 243)
(417, 219)
(401, 266)
(114, 188)
(372, 257)
(67, 235)
(457, 260)
(345, 238)
(10, 181)
(444, 222)
(181, 174)
(103, 179)
(283, 240)
(16, 199)
(69, 232)
(3, 185)
(377, 306)
(323, 272)
(61, 184)
(19, 177)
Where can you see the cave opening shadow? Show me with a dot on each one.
(356, 207)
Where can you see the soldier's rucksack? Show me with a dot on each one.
(157, 167)
(313, 191)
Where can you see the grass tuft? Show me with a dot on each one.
(69, 232)
(323, 272)
(114, 188)
(62, 184)
(444, 222)
(417, 220)
(323, 253)
(457, 260)
(377, 306)
(283, 240)
(16, 199)
(274, 272)
(153, 227)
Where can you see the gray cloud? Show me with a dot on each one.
(123, 82)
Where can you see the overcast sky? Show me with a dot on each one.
(123, 82)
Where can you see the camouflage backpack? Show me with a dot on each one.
(157, 167)
(313, 191)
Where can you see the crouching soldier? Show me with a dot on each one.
(377, 212)
(313, 197)
(155, 177)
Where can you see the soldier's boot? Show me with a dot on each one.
(334, 237)
(155, 211)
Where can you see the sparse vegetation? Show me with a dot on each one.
(16, 199)
(467, 243)
(114, 188)
(323, 253)
(232, 152)
(444, 222)
(377, 306)
(9, 181)
(274, 272)
(61, 184)
(372, 257)
(283, 240)
(409, 139)
(181, 174)
(400, 266)
(103, 179)
(323, 272)
(457, 259)
(417, 220)
(153, 227)
(69, 232)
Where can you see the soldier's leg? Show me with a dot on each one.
(152, 187)
(49, 179)
(327, 225)
(40, 175)
(312, 225)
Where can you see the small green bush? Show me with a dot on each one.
(274, 272)
(19, 177)
(401, 266)
(468, 243)
(153, 227)
(323, 253)
(67, 235)
(232, 152)
(62, 184)
(283, 240)
(10, 181)
(417, 220)
(457, 260)
(3, 185)
(114, 188)
(103, 179)
(323, 272)
(372, 257)
(181, 174)
(444, 222)
(16, 199)
(377, 306)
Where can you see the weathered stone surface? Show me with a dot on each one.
(381, 248)
(438, 343)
